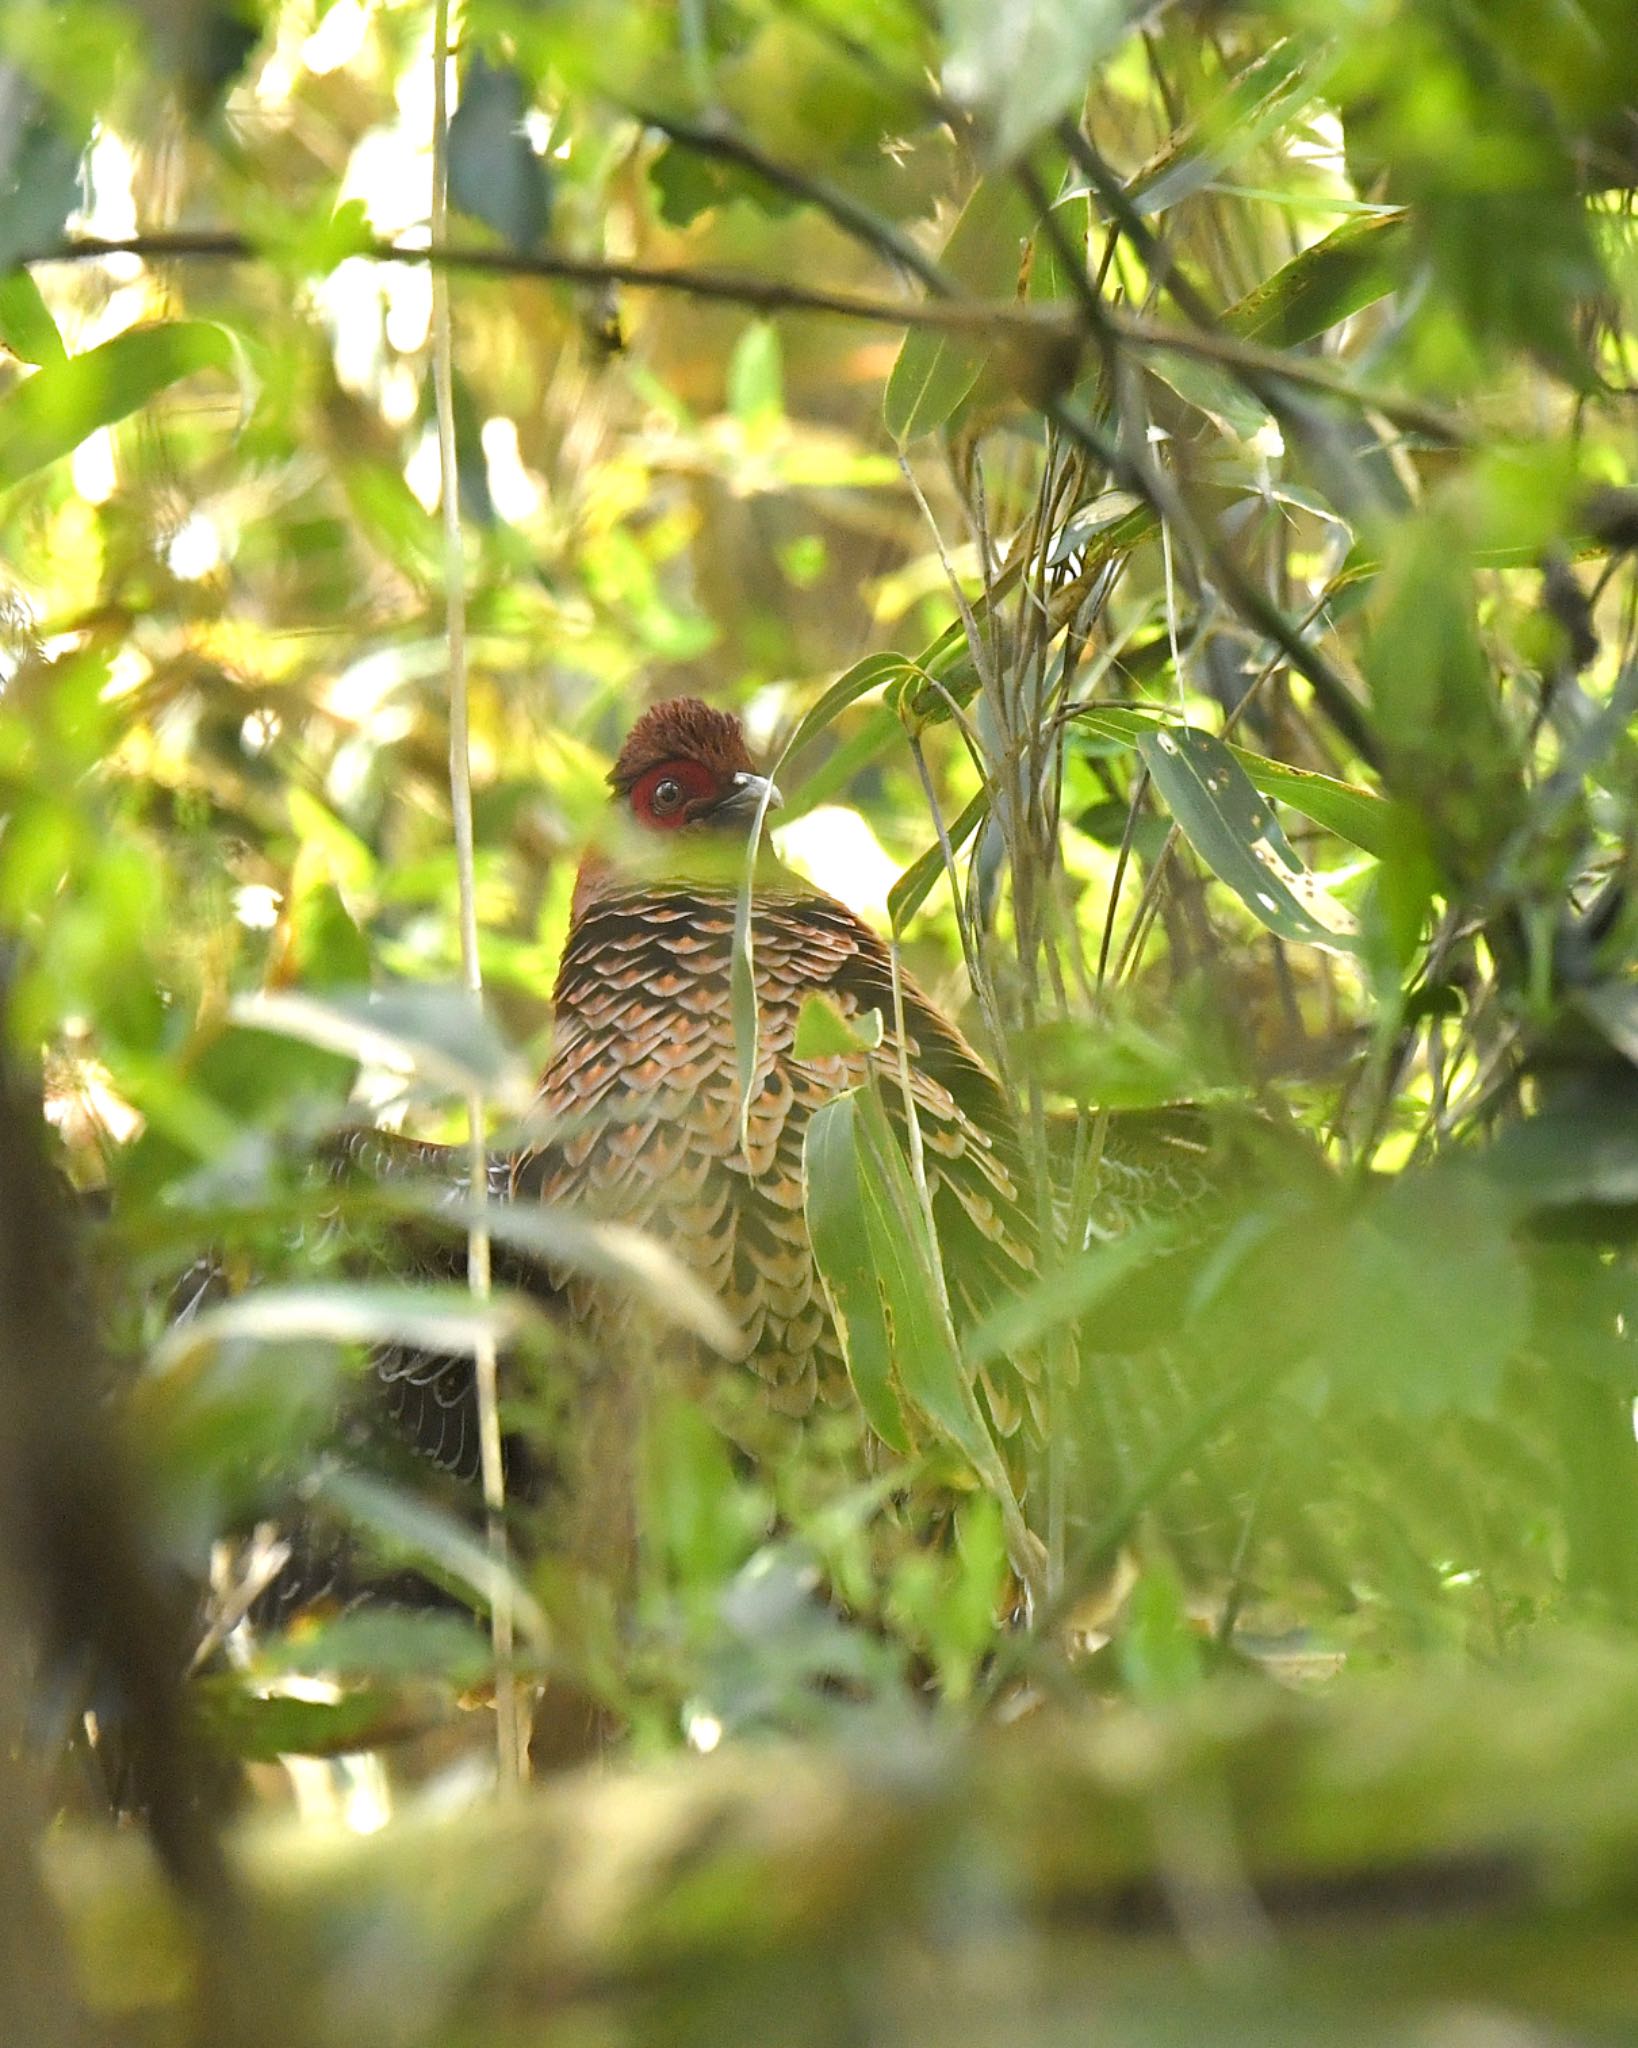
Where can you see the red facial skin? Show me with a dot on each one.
(654, 805)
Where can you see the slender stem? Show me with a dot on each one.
(508, 1718)
(993, 317)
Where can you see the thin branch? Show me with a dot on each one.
(716, 140)
(1042, 324)
(759, 294)
(486, 1363)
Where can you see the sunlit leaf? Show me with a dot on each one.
(1025, 62)
(26, 325)
(822, 1032)
(935, 371)
(56, 409)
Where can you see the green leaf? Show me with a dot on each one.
(53, 412)
(1159, 1654)
(927, 1359)
(1449, 750)
(841, 1251)
(756, 392)
(26, 325)
(260, 1727)
(1235, 833)
(1425, 1298)
(1057, 1296)
(1266, 94)
(1352, 268)
(822, 1032)
(405, 1528)
(441, 1320)
(1366, 820)
(935, 372)
(1211, 390)
(380, 1643)
(909, 892)
(615, 1255)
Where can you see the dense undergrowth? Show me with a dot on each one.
(1160, 484)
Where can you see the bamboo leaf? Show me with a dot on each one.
(1373, 823)
(1232, 828)
(439, 1035)
(1267, 93)
(1025, 62)
(841, 1251)
(910, 891)
(441, 1320)
(1352, 268)
(935, 372)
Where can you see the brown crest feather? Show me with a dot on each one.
(682, 729)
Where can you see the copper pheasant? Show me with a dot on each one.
(647, 1111)
(654, 1124)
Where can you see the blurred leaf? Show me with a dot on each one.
(614, 1254)
(380, 1644)
(260, 1727)
(1427, 1298)
(1235, 833)
(26, 325)
(441, 1320)
(1061, 1294)
(1448, 748)
(59, 406)
(755, 388)
(41, 177)
(687, 183)
(822, 1032)
(1159, 1654)
(1025, 62)
(982, 253)
(494, 173)
(1211, 390)
(439, 1035)
(404, 1528)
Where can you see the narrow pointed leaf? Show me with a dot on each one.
(1235, 833)
(841, 1251)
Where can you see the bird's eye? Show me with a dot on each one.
(667, 794)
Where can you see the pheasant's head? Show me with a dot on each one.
(684, 767)
(686, 799)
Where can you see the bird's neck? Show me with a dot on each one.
(710, 866)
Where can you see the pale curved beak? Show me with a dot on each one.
(745, 798)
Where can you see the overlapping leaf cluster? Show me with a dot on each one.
(1170, 477)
